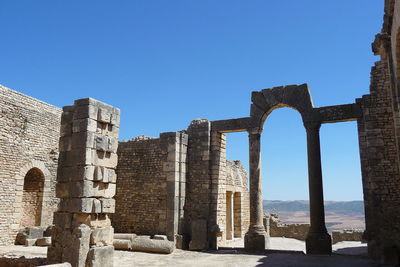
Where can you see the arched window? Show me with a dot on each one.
(32, 198)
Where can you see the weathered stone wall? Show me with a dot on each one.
(379, 132)
(277, 229)
(28, 139)
(347, 235)
(151, 185)
(198, 213)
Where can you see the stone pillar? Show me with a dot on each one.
(256, 239)
(318, 240)
(86, 183)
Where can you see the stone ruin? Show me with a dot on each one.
(183, 188)
(86, 184)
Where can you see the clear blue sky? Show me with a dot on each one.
(165, 63)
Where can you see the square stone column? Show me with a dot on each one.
(86, 184)
(256, 239)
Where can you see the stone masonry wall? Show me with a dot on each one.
(151, 185)
(199, 222)
(28, 139)
(379, 163)
(379, 138)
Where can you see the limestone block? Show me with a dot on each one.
(160, 237)
(100, 257)
(65, 143)
(96, 208)
(87, 156)
(99, 220)
(84, 125)
(199, 235)
(87, 205)
(84, 112)
(124, 236)
(76, 251)
(31, 233)
(44, 241)
(65, 264)
(107, 205)
(35, 231)
(85, 189)
(105, 175)
(151, 245)
(30, 242)
(109, 175)
(82, 140)
(62, 219)
(83, 205)
(105, 159)
(77, 173)
(104, 115)
(66, 129)
(110, 190)
(102, 236)
(122, 244)
(115, 117)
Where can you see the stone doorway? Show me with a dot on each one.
(32, 198)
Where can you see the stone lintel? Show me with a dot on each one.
(233, 125)
(338, 113)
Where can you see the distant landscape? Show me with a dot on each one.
(339, 215)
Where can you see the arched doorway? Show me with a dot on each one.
(32, 198)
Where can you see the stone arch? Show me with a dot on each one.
(33, 166)
(293, 96)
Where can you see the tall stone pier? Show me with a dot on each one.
(86, 183)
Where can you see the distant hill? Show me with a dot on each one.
(338, 214)
(340, 207)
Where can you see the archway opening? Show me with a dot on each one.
(285, 179)
(285, 168)
(32, 198)
(237, 194)
(341, 171)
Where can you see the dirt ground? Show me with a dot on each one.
(287, 252)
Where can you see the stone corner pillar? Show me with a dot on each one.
(318, 240)
(86, 184)
(256, 239)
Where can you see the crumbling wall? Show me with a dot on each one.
(379, 133)
(277, 229)
(347, 235)
(151, 185)
(28, 139)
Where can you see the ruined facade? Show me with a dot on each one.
(28, 162)
(379, 134)
(181, 184)
(156, 177)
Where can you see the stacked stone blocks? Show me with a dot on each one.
(86, 185)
